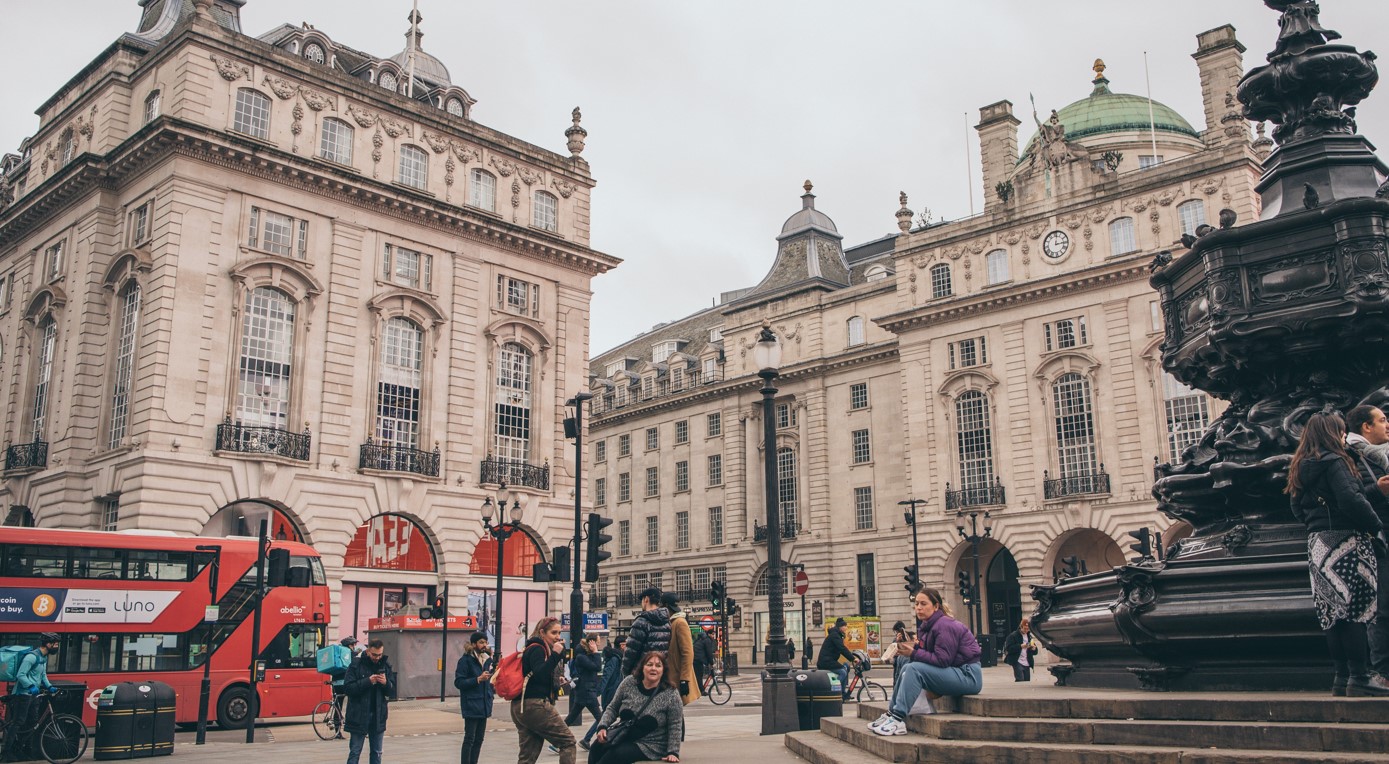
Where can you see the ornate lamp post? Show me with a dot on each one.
(976, 610)
(778, 688)
(501, 532)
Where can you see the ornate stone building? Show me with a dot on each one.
(1004, 364)
(275, 277)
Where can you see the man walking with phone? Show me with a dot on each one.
(369, 682)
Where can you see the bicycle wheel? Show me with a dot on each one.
(871, 691)
(326, 721)
(719, 691)
(63, 740)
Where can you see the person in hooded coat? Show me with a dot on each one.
(473, 678)
(681, 653)
(650, 630)
(584, 667)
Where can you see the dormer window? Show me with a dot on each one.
(314, 52)
(388, 81)
(613, 368)
(663, 350)
(454, 106)
(716, 334)
(875, 273)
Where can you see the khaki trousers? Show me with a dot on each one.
(536, 722)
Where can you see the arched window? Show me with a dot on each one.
(974, 441)
(127, 328)
(151, 106)
(252, 113)
(314, 52)
(414, 167)
(267, 355)
(1075, 425)
(43, 374)
(1188, 415)
(545, 215)
(521, 556)
(855, 331)
(398, 384)
(392, 542)
(1121, 238)
(389, 81)
(482, 190)
(940, 280)
(69, 144)
(1192, 214)
(454, 106)
(996, 263)
(335, 144)
(512, 433)
(763, 585)
(786, 491)
(875, 273)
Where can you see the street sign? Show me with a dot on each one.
(594, 623)
(708, 623)
(802, 583)
(210, 613)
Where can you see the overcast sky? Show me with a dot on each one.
(705, 118)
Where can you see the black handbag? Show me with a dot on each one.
(619, 731)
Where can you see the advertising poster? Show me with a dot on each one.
(864, 633)
(34, 605)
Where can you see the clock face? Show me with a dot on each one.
(1056, 244)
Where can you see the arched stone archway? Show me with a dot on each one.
(390, 568)
(1094, 551)
(242, 518)
(1000, 597)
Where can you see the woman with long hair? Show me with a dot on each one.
(944, 661)
(647, 711)
(534, 712)
(473, 678)
(1328, 497)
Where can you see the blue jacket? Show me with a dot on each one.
(584, 667)
(31, 676)
(474, 697)
(612, 673)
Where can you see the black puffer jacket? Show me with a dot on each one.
(1329, 480)
(584, 668)
(366, 707)
(650, 631)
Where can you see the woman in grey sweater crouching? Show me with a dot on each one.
(647, 704)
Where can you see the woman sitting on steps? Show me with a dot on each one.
(944, 661)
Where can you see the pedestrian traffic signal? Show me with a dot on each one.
(912, 579)
(1144, 547)
(596, 540)
(716, 593)
(965, 587)
(561, 568)
(1070, 566)
(732, 604)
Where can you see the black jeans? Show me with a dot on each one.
(626, 750)
(1021, 673)
(473, 732)
(577, 706)
(1379, 629)
(622, 753)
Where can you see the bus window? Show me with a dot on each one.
(319, 577)
(300, 573)
(294, 647)
(97, 563)
(153, 652)
(87, 653)
(36, 561)
(154, 565)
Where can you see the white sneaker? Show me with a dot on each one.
(880, 721)
(893, 726)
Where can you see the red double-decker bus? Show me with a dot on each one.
(134, 606)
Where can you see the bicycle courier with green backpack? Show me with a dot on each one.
(11, 659)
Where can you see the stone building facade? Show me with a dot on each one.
(1003, 369)
(275, 277)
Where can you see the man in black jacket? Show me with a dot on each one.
(832, 650)
(585, 667)
(1367, 433)
(370, 680)
(704, 653)
(650, 630)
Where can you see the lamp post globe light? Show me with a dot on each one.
(976, 613)
(501, 532)
(779, 713)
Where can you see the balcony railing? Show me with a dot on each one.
(788, 531)
(1075, 485)
(514, 472)
(392, 458)
(247, 439)
(974, 496)
(27, 456)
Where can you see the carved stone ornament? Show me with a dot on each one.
(284, 89)
(1011, 238)
(1100, 215)
(230, 69)
(1035, 230)
(361, 116)
(395, 129)
(316, 100)
(437, 144)
(529, 176)
(564, 188)
(576, 134)
(1073, 222)
(504, 167)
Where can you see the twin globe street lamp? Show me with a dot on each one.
(976, 612)
(501, 532)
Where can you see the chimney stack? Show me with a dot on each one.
(1219, 57)
(998, 146)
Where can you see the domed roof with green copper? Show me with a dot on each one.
(1105, 111)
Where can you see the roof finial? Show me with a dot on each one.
(1100, 82)
(1099, 68)
(576, 135)
(808, 199)
(904, 215)
(808, 185)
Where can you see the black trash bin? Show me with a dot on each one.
(730, 664)
(71, 698)
(988, 650)
(134, 720)
(818, 695)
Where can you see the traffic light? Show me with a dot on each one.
(717, 590)
(596, 539)
(1144, 547)
(1070, 566)
(912, 579)
(732, 604)
(561, 569)
(965, 588)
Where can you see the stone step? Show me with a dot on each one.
(1285, 707)
(846, 741)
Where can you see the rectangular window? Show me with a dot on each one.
(710, 371)
(414, 167)
(600, 451)
(4, 292)
(863, 452)
(139, 225)
(482, 191)
(653, 481)
(682, 532)
(785, 416)
(715, 526)
(716, 470)
(1066, 333)
(624, 445)
(624, 487)
(1192, 214)
(967, 353)
(407, 267)
(653, 439)
(1121, 237)
(252, 113)
(662, 350)
(863, 508)
(335, 143)
(714, 424)
(53, 261)
(600, 492)
(519, 297)
(278, 234)
(682, 476)
(682, 431)
(997, 266)
(151, 107)
(1155, 315)
(648, 387)
(653, 534)
(546, 213)
(1148, 160)
(682, 582)
(123, 373)
(1187, 416)
(858, 396)
(110, 513)
(624, 539)
(856, 331)
(716, 334)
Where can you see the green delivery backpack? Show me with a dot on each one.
(10, 658)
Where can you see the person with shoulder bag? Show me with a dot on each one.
(533, 712)
(1327, 496)
(473, 677)
(586, 665)
(646, 720)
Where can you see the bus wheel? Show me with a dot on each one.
(234, 708)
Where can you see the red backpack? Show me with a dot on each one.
(509, 681)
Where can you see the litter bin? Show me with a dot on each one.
(818, 695)
(730, 664)
(71, 698)
(988, 651)
(134, 720)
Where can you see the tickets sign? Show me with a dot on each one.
(33, 605)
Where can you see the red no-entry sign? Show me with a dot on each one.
(802, 583)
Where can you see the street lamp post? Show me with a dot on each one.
(976, 613)
(576, 596)
(779, 713)
(501, 532)
(910, 516)
(205, 690)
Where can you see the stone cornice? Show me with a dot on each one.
(1121, 270)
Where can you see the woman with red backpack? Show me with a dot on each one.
(533, 712)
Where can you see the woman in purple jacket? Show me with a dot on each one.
(944, 661)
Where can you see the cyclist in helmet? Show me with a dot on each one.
(31, 679)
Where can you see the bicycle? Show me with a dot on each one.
(60, 738)
(860, 684)
(328, 717)
(715, 686)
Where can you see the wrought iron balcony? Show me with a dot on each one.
(759, 532)
(1075, 485)
(514, 472)
(627, 599)
(27, 456)
(392, 458)
(247, 439)
(974, 496)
